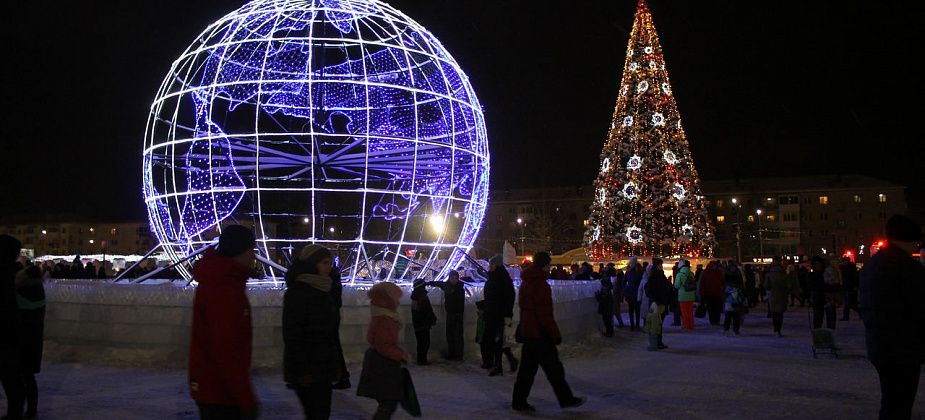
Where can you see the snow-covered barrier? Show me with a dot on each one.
(149, 325)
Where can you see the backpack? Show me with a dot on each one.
(690, 285)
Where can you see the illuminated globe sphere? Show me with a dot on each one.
(337, 122)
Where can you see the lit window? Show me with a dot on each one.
(824, 200)
(857, 199)
(882, 198)
(719, 204)
(720, 219)
(586, 222)
(113, 231)
(751, 219)
(772, 217)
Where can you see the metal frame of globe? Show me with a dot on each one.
(338, 122)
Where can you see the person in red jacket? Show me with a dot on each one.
(713, 290)
(381, 377)
(540, 337)
(220, 348)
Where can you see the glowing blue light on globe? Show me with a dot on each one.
(338, 122)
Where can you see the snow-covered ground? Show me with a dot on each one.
(703, 375)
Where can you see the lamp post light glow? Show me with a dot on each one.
(520, 222)
(437, 224)
(760, 236)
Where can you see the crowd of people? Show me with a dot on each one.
(884, 293)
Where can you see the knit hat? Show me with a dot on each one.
(9, 248)
(235, 239)
(541, 259)
(497, 260)
(903, 229)
(313, 254)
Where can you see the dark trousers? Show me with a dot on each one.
(778, 319)
(340, 352)
(506, 351)
(635, 311)
(316, 400)
(423, 339)
(385, 410)
(618, 309)
(851, 302)
(824, 311)
(714, 308)
(219, 412)
(536, 354)
(491, 341)
(608, 323)
(454, 336)
(898, 385)
(15, 393)
(734, 318)
(675, 310)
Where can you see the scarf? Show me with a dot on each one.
(375, 311)
(319, 282)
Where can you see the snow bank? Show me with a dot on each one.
(149, 325)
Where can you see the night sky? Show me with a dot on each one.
(765, 88)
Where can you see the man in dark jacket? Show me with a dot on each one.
(310, 357)
(892, 285)
(822, 306)
(540, 335)
(220, 347)
(10, 248)
(660, 291)
(423, 319)
(498, 294)
(849, 278)
(454, 302)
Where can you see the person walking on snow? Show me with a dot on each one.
(540, 335)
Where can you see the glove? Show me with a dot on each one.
(250, 413)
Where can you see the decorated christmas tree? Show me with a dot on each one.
(647, 195)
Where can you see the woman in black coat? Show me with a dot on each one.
(30, 295)
(310, 357)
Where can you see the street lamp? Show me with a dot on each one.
(520, 221)
(436, 223)
(735, 202)
(760, 237)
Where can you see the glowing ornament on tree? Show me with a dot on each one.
(605, 166)
(648, 50)
(670, 158)
(634, 234)
(602, 195)
(627, 121)
(296, 116)
(652, 65)
(687, 230)
(634, 66)
(642, 86)
(596, 233)
(634, 163)
(678, 192)
(630, 190)
(666, 88)
(658, 119)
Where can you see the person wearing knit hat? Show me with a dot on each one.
(892, 286)
(311, 360)
(222, 336)
(381, 378)
(236, 240)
